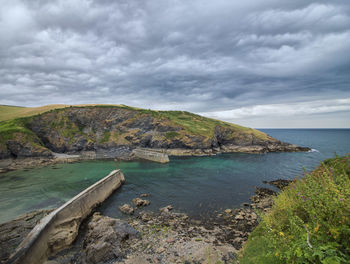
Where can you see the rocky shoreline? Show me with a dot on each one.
(152, 237)
(11, 164)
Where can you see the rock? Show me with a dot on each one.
(145, 216)
(145, 195)
(140, 202)
(280, 183)
(101, 251)
(126, 209)
(264, 192)
(103, 238)
(166, 209)
(228, 211)
(13, 232)
(239, 217)
(254, 216)
(160, 250)
(170, 240)
(237, 242)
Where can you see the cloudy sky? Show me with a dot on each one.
(271, 63)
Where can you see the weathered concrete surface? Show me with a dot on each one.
(150, 154)
(59, 229)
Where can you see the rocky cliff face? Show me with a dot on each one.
(115, 131)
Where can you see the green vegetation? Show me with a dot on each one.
(310, 221)
(16, 129)
(204, 126)
(105, 137)
(171, 134)
(14, 120)
(11, 112)
(192, 123)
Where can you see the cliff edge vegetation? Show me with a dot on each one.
(112, 131)
(309, 222)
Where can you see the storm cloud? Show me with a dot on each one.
(257, 63)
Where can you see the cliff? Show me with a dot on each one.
(114, 131)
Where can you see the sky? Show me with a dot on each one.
(263, 64)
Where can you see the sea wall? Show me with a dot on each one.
(59, 229)
(152, 155)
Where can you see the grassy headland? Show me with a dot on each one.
(309, 222)
(15, 119)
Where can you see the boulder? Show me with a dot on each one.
(126, 209)
(228, 211)
(166, 209)
(103, 238)
(140, 202)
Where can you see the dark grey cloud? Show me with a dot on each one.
(205, 56)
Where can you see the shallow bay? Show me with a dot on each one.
(198, 186)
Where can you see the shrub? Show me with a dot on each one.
(310, 221)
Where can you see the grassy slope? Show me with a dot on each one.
(318, 205)
(11, 112)
(14, 119)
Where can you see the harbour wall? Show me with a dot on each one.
(59, 229)
(152, 155)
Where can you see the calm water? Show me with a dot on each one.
(199, 186)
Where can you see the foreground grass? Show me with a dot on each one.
(310, 221)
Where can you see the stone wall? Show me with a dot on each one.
(59, 229)
(152, 155)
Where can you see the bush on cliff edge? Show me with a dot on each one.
(310, 221)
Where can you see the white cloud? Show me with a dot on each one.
(284, 110)
(191, 55)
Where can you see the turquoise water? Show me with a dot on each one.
(199, 186)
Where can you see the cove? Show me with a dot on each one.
(198, 186)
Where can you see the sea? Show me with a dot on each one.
(198, 186)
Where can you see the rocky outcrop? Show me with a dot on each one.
(104, 236)
(140, 202)
(12, 233)
(114, 132)
(126, 209)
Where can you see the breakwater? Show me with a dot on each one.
(59, 229)
(150, 154)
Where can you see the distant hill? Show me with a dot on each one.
(113, 131)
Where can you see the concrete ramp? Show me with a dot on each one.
(59, 229)
(150, 154)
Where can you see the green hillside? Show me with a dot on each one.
(192, 123)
